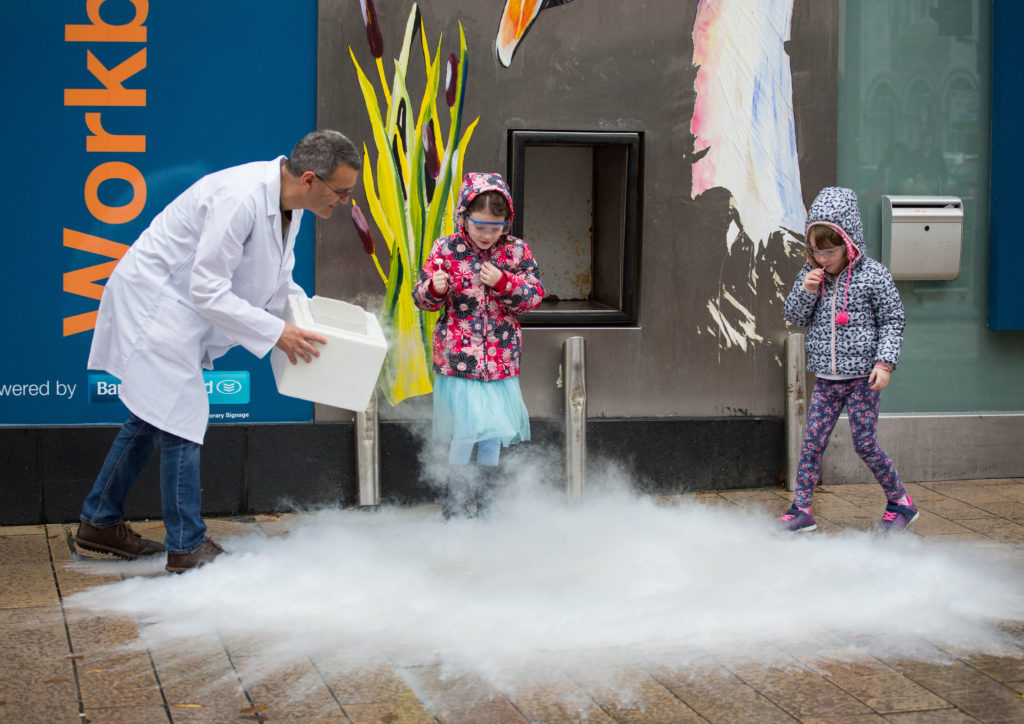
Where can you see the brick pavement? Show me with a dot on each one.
(42, 679)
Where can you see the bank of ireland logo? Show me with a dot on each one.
(227, 388)
(103, 387)
(222, 388)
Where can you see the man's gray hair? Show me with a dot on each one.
(322, 152)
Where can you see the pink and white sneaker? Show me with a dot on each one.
(795, 520)
(898, 517)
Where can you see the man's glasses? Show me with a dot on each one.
(342, 195)
(826, 253)
(487, 227)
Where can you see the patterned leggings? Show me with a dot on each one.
(827, 402)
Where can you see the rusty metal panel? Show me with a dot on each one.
(558, 226)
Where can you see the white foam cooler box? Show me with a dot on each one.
(346, 371)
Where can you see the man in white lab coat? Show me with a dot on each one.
(213, 270)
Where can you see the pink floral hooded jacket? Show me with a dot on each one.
(477, 335)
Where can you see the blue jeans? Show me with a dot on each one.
(179, 483)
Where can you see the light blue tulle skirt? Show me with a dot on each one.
(470, 411)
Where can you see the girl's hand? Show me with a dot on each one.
(439, 280)
(878, 379)
(813, 280)
(490, 274)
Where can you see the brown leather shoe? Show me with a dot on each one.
(120, 540)
(205, 553)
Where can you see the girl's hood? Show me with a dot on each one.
(837, 208)
(473, 185)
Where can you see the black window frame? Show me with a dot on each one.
(623, 311)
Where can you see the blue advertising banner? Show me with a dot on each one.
(113, 108)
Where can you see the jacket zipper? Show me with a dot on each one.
(484, 256)
(835, 295)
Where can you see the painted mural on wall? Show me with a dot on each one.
(744, 133)
(745, 141)
(743, 129)
(411, 186)
(516, 18)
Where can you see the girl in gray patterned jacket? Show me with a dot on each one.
(854, 319)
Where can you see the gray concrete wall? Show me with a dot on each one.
(933, 447)
(602, 65)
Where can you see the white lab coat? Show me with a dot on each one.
(210, 272)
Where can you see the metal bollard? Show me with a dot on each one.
(368, 454)
(796, 404)
(574, 370)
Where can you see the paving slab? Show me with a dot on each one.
(800, 692)
(27, 584)
(26, 548)
(756, 498)
(274, 525)
(718, 695)
(368, 685)
(198, 682)
(975, 492)
(401, 710)
(951, 508)
(44, 692)
(1006, 669)
(551, 696)
(929, 523)
(998, 529)
(465, 699)
(127, 714)
(633, 695)
(945, 716)
(32, 636)
(287, 691)
(969, 690)
(883, 689)
(11, 530)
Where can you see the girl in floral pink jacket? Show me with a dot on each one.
(479, 278)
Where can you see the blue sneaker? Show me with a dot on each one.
(795, 520)
(898, 517)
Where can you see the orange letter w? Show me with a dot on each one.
(83, 281)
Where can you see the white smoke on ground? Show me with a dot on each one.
(545, 583)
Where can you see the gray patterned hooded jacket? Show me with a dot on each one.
(864, 290)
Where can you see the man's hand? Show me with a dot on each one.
(813, 280)
(298, 343)
(490, 274)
